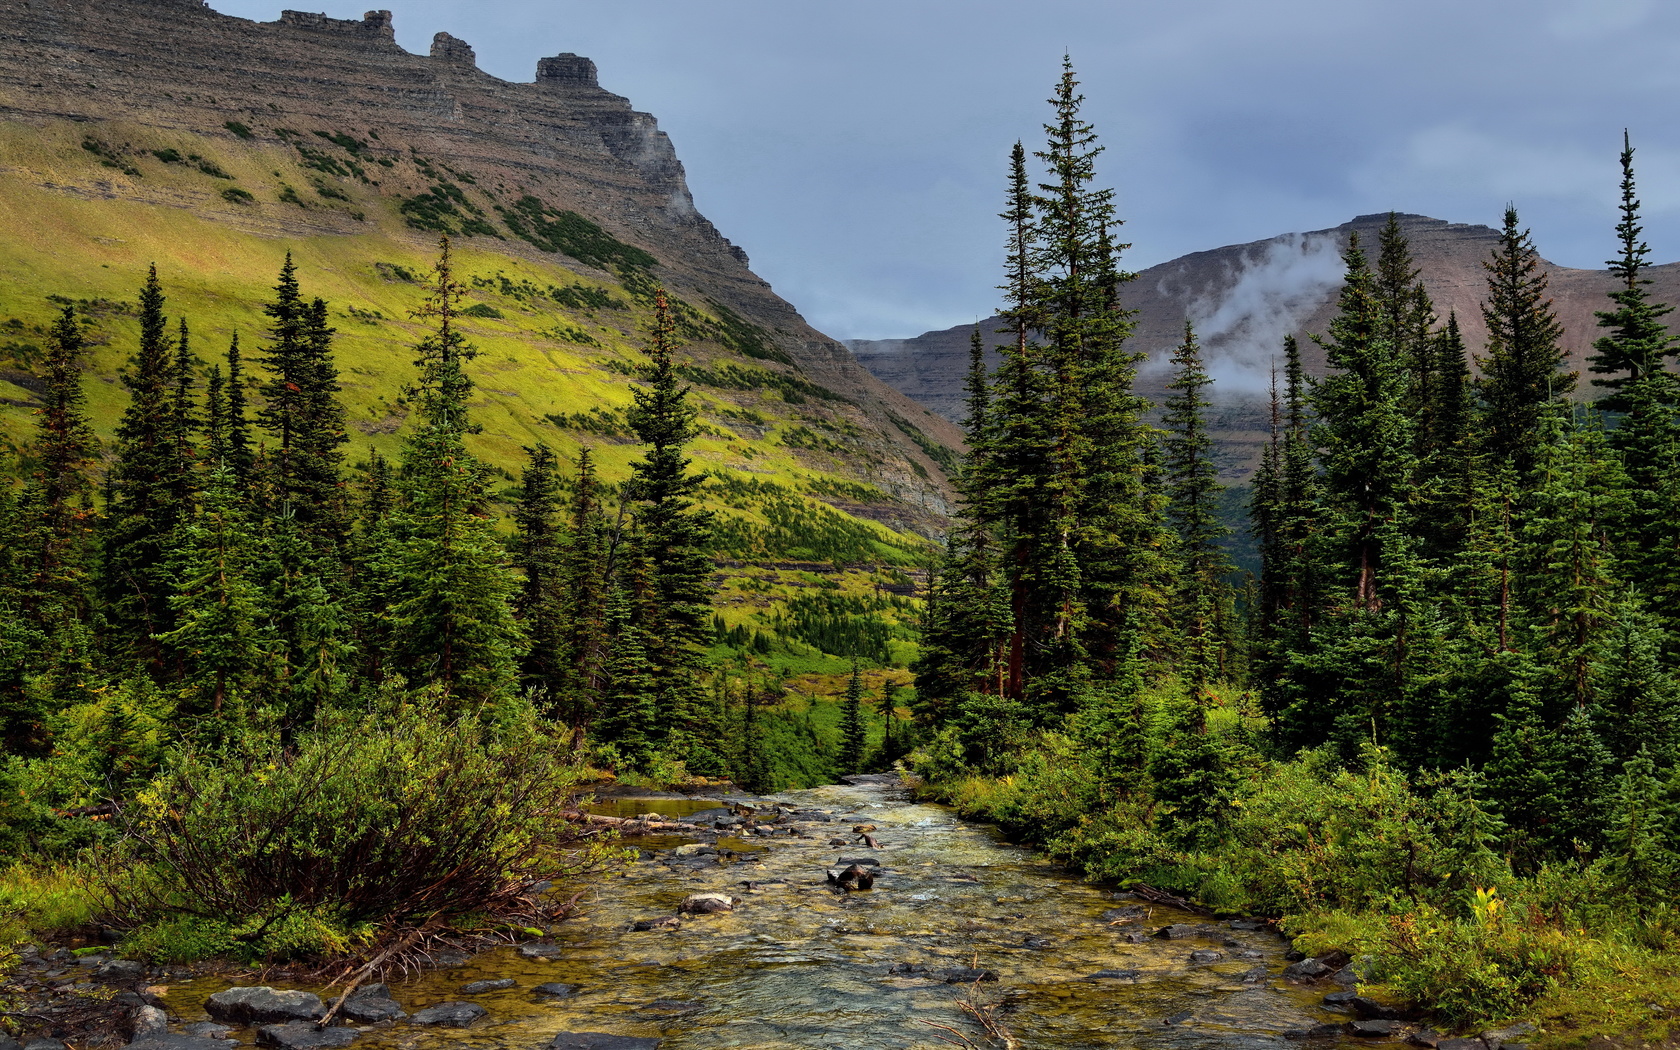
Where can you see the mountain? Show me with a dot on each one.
(141, 131)
(1245, 298)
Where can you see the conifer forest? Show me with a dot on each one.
(269, 701)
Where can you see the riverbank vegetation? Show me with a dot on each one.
(1441, 730)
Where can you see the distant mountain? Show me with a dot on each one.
(1245, 298)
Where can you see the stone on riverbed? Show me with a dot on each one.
(449, 1015)
(1307, 969)
(480, 987)
(1317, 1031)
(1206, 955)
(555, 990)
(601, 1041)
(1374, 1029)
(868, 862)
(371, 1009)
(1177, 931)
(302, 1035)
(263, 1005)
(1115, 975)
(706, 904)
(173, 1041)
(207, 1030)
(548, 952)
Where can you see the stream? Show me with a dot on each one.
(799, 964)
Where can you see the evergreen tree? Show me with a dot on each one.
(541, 602)
(451, 618)
(143, 504)
(628, 717)
(1192, 507)
(852, 730)
(302, 411)
(1523, 369)
(584, 585)
(1637, 342)
(61, 491)
(674, 537)
(238, 427)
(184, 420)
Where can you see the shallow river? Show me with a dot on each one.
(799, 965)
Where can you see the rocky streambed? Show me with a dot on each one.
(846, 916)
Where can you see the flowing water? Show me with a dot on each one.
(798, 964)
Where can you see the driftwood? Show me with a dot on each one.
(630, 825)
(1155, 896)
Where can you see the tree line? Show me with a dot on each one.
(223, 570)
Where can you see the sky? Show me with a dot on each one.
(858, 151)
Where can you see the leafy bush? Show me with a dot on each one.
(1472, 972)
(400, 818)
(239, 129)
(235, 195)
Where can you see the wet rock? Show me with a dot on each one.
(301, 1035)
(450, 960)
(1037, 943)
(601, 1041)
(166, 1041)
(1470, 1043)
(1250, 954)
(371, 1009)
(371, 991)
(763, 831)
(708, 816)
(1346, 977)
(810, 816)
(149, 1021)
(1335, 960)
(1317, 1031)
(1371, 1010)
(694, 849)
(867, 862)
(1177, 931)
(706, 904)
(1178, 1018)
(1255, 976)
(1374, 1029)
(967, 975)
(1115, 975)
(1507, 1038)
(1248, 924)
(907, 968)
(449, 1015)
(1428, 1038)
(209, 1030)
(839, 842)
(1306, 970)
(121, 970)
(855, 877)
(669, 922)
(548, 952)
(1128, 913)
(263, 1005)
(480, 987)
(1134, 937)
(555, 990)
(1294, 955)
(1206, 955)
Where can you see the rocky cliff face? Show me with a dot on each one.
(126, 69)
(1245, 298)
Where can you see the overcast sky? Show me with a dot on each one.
(858, 150)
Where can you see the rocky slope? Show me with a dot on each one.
(160, 130)
(1245, 298)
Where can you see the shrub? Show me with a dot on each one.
(235, 195)
(238, 129)
(398, 819)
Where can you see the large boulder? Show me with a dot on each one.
(706, 904)
(369, 1009)
(263, 1005)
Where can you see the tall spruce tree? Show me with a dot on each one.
(1637, 342)
(143, 496)
(1193, 509)
(852, 728)
(586, 589)
(451, 616)
(60, 494)
(674, 536)
(1522, 371)
(541, 601)
(239, 453)
(302, 412)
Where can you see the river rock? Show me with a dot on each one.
(644, 925)
(706, 904)
(1178, 1018)
(1037, 942)
(1371, 1010)
(839, 842)
(263, 1005)
(1128, 913)
(1428, 1038)
(449, 1015)
(371, 1010)
(169, 1041)
(1306, 970)
(855, 877)
(867, 862)
(371, 991)
(554, 990)
(1317, 1031)
(209, 1030)
(1134, 937)
(1177, 931)
(1500, 1038)
(302, 1035)
(601, 1041)
(905, 967)
(1248, 924)
(1470, 1043)
(480, 987)
(546, 952)
(1206, 955)
(121, 970)
(149, 1020)
(1115, 975)
(1374, 1029)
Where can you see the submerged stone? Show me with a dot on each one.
(302, 1035)
(449, 1015)
(480, 987)
(601, 1041)
(263, 1005)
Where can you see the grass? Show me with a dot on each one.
(219, 275)
(45, 899)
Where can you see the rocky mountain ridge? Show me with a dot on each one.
(318, 129)
(1245, 298)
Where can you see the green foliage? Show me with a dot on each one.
(239, 129)
(401, 815)
(235, 195)
(571, 234)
